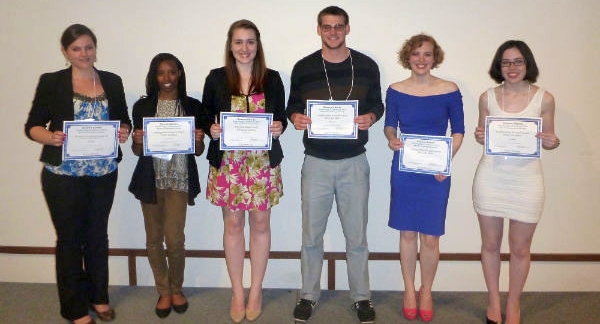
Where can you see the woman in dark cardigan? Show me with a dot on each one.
(166, 184)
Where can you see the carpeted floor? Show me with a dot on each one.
(26, 303)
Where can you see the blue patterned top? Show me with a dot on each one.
(87, 108)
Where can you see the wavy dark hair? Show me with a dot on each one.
(259, 66)
(415, 42)
(152, 87)
(75, 31)
(531, 68)
(333, 11)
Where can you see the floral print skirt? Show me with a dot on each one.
(245, 181)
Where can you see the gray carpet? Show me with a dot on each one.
(38, 303)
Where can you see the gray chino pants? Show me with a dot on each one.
(346, 181)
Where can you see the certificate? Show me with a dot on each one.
(90, 140)
(172, 135)
(333, 119)
(512, 136)
(243, 131)
(425, 154)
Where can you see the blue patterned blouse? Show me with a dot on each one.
(87, 108)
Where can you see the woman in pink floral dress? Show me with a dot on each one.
(245, 180)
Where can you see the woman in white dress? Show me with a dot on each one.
(508, 187)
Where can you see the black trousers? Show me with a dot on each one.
(79, 207)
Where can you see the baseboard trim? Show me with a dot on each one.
(329, 257)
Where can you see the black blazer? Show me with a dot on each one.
(217, 97)
(143, 180)
(53, 103)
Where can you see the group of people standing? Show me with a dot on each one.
(79, 193)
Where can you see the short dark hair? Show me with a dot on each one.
(152, 87)
(334, 11)
(75, 31)
(415, 42)
(531, 69)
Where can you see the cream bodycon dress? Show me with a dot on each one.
(510, 187)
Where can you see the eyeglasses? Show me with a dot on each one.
(516, 62)
(337, 28)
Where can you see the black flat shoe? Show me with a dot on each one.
(489, 321)
(180, 309)
(162, 312)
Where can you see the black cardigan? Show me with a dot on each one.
(53, 103)
(217, 97)
(143, 180)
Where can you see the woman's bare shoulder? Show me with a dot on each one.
(399, 86)
(445, 86)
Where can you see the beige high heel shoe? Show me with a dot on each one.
(252, 315)
(237, 316)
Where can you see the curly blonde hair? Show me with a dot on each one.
(415, 42)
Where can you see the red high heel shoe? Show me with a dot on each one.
(409, 313)
(426, 315)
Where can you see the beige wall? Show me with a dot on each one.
(562, 34)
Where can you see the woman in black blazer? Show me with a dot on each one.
(79, 193)
(245, 180)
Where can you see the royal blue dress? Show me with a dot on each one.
(418, 201)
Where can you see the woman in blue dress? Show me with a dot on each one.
(421, 104)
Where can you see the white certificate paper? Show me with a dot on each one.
(243, 131)
(333, 119)
(425, 154)
(173, 135)
(513, 136)
(90, 140)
